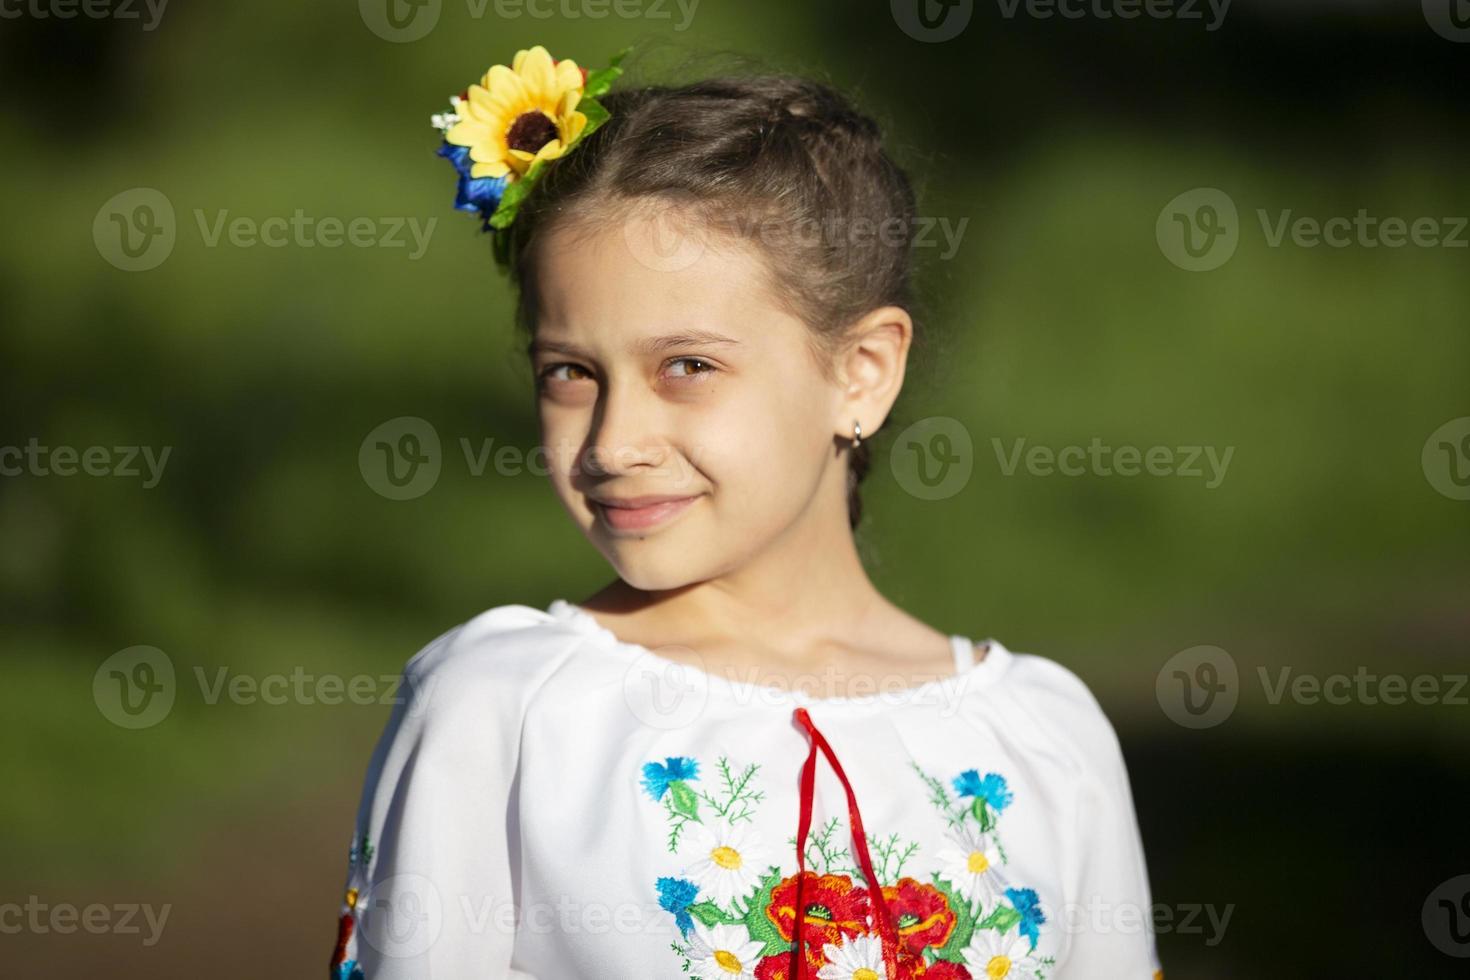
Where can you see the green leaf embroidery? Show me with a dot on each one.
(827, 858)
(939, 796)
(684, 799)
(983, 814)
(758, 923)
(1000, 919)
(964, 923)
(888, 851)
(677, 820)
(709, 913)
(739, 796)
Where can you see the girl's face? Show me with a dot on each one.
(676, 377)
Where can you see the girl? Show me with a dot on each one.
(738, 759)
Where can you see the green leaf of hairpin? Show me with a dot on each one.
(601, 80)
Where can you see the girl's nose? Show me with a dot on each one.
(624, 435)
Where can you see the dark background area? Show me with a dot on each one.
(1328, 546)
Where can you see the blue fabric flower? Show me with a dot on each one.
(1024, 900)
(478, 195)
(676, 895)
(656, 777)
(992, 788)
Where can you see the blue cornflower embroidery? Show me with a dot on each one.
(676, 768)
(1024, 901)
(992, 788)
(676, 895)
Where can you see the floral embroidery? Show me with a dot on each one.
(361, 850)
(733, 905)
(358, 855)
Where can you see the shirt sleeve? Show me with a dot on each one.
(1108, 913)
(429, 892)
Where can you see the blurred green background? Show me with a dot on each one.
(263, 549)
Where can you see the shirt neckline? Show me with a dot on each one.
(942, 690)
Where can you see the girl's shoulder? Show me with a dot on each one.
(496, 657)
(1056, 707)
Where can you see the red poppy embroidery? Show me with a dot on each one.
(922, 912)
(835, 908)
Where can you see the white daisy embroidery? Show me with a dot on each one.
(997, 956)
(972, 866)
(728, 863)
(723, 951)
(859, 958)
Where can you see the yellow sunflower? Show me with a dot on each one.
(520, 114)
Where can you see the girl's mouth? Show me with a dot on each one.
(620, 517)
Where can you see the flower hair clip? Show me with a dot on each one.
(501, 134)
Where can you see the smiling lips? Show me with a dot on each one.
(641, 513)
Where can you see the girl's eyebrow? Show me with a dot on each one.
(650, 345)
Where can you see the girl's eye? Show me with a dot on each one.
(693, 360)
(547, 373)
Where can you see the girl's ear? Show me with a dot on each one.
(872, 368)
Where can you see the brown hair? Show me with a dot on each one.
(773, 153)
